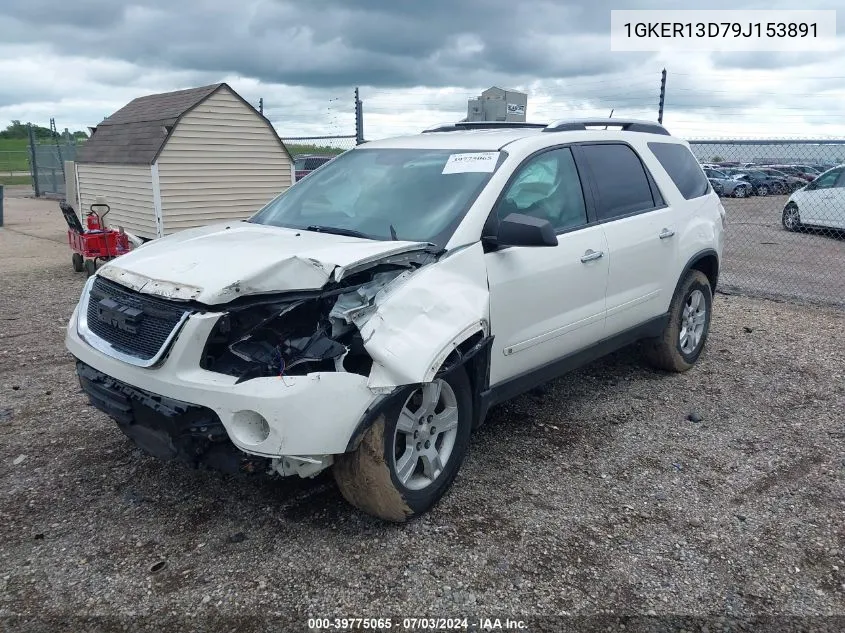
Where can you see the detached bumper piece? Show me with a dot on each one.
(165, 428)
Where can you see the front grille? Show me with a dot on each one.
(146, 336)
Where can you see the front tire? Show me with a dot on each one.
(791, 218)
(740, 192)
(76, 260)
(409, 457)
(762, 190)
(683, 340)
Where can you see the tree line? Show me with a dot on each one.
(16, 129)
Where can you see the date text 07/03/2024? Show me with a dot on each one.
(417, 624)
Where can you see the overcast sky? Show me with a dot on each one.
(416, 62)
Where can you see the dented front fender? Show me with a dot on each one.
(417, 324)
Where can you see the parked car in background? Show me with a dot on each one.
(820, 204)
(805, 172)
(304, 164)
(761, 183)
(717, 186)
(734, 165)
(729, 186)
(793, 183)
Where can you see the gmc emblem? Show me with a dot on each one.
(124, 318)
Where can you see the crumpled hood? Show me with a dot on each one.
(218, 263)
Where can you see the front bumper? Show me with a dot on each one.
(315, 414)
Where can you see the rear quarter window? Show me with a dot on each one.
(682, 168)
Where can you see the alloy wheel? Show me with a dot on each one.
(693, 319)
(791, 219)
(425, 434)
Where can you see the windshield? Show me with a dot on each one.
(418, 195)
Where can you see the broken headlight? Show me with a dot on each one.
(283, 339)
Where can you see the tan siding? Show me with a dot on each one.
(128, 191)
(221, 163)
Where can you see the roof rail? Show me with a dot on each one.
(627, 125)
(482, 125)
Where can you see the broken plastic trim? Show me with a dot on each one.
(300, 334)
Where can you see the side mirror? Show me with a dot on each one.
(524, 230)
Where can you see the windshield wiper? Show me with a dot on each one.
(319, 228)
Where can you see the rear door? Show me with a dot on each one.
(640, 231)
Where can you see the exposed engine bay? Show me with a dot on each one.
(301, 333)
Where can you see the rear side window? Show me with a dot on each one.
(682, 168)
(620, 179)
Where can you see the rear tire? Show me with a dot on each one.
(90, 267)
(762, 190)
(374, 477)
(77, 262)
(683, 340)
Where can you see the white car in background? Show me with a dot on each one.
(820, 203)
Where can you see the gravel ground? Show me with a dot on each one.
(599, 495)
(763, 258)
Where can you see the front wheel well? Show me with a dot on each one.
(473, 354)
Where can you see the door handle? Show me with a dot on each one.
(590, 255)
(666, 233)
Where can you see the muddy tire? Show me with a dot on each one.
(403, 465)
(683, 340)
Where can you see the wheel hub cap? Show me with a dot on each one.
(425, 434)
(693, 319)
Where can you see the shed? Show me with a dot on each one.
(177, 160)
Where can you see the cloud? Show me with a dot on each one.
(416, 62)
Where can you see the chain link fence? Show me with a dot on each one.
(48, 174)
(331, 145)
(785, 203)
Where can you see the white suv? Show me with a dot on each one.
(367, 318)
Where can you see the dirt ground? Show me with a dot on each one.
(764, 259)
(599, 496)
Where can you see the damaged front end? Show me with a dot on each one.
(300, 333)
(307, 368)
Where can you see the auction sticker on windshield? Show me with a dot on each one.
(476, 161)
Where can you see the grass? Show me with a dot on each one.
(14, 155)
(14, 144)
(15, 180)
